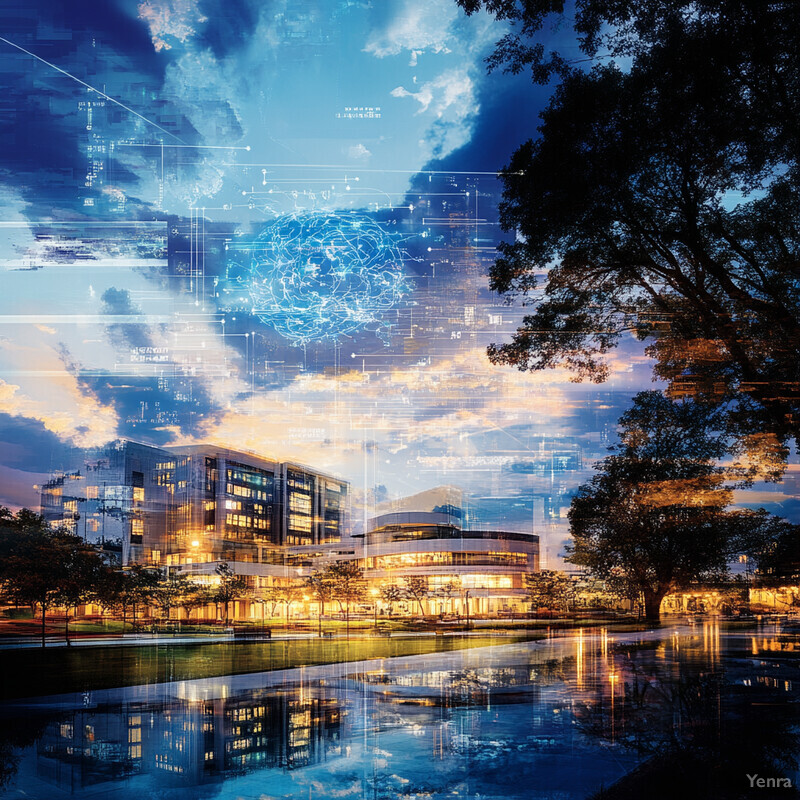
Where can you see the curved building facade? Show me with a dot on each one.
(484, 569)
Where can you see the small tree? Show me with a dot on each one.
(110, 593)
(230, 587)
(139, 587)
(415, 589)
(321, 586)
(550, 589)
(272, 595)
(123, 589)
(448, 590)
(347, 580)
(83, 571)
(390, 594)
(174, 590)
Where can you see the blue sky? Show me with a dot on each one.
(123, 208)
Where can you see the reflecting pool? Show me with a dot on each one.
(577, 715)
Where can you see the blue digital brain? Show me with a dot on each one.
(320, 275)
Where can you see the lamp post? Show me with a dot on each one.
(466, 601)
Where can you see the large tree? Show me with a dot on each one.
(655, 517)
(750, 44)
(662, 200)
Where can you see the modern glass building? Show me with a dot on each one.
(193, 507)
(123, 491)
(481, 570)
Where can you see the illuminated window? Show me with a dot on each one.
(300, 503)
(239, 521)
(478, 581)
(299, 523)
(405, 560)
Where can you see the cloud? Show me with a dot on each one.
(171, 21)
(358, 152)
(66, 410)
(451, 99)
(455, 407)
(117, 302)
(17, 488)
(458, 44)
(451, 93)
(417, 27)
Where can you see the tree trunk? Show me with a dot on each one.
(133, 620)
(44, 614)
(652, 603)
(66, 627)
(124, 615)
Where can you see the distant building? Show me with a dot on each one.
(191, 508)
(197, 505)
(483, 568)
(121, 491)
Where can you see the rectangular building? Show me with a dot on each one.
(202, 504)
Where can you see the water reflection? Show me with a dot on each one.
(555, 719)
(188, 743)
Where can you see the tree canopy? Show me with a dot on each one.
(46, 567)
(655, 517)
(662, 201)
(551, 589)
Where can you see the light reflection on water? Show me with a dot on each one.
(555, 719)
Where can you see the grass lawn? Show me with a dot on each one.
(36, 672)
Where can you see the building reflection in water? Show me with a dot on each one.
(561, 717)
(189, 742)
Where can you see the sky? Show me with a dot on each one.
(269, 224)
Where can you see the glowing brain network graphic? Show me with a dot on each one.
(321, 275)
